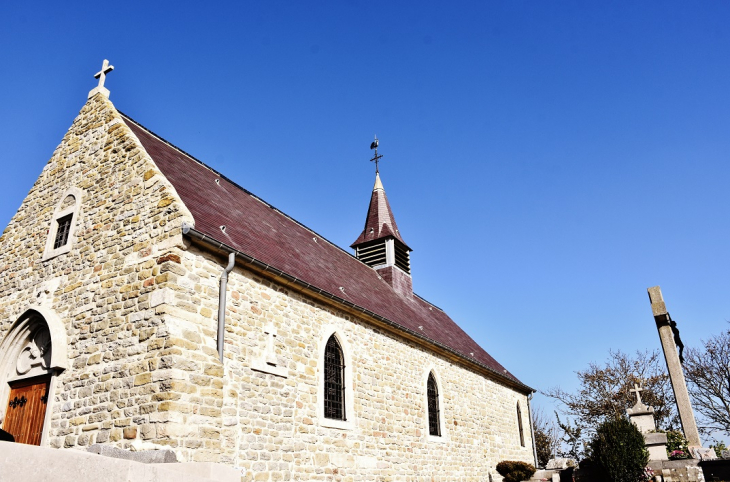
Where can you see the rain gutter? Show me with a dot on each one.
(295, 282)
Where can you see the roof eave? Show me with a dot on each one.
(265, 269)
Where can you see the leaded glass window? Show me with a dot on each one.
(434, 424)
(62, 231)
(334, 380)
(519, 425)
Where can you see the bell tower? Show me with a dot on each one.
(380, 244)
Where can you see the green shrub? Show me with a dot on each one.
(543, 447)
(719, 448)
(677, 445)
(515, 471)
(618, 451)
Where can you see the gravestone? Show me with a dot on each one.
(704, 454)
(643, 417)
(560, 463)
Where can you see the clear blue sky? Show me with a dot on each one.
(547, 161)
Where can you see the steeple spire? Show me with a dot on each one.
(380, 244)
(379, 222)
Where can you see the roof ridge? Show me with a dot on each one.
(428, 302)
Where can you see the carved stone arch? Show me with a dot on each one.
(63, 210)
(34, 349)
(349, 423)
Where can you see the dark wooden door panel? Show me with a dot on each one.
(26, 410)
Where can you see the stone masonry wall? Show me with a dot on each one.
(269, 426)
(103, 289)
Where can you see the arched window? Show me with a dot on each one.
(519, 425)
(432, 393)
(334, 380)
(63, 225)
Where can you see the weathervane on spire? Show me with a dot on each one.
(376, 159)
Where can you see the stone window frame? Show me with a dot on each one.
(443, 438)
(75, 211)
(520, 425)
(349, 422)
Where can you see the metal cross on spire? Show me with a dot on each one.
(376, 159)
(637, 389)
(101, 75)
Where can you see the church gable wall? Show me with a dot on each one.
(265, 418)
(126, 221)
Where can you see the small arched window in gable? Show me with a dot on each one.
(519, 425)
(434, 415)
(62, 229)
(334, 380)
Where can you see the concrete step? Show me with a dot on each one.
(28, 463)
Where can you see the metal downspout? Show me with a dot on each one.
(532, 428)
(222, 303)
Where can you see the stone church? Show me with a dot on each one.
(147, 301)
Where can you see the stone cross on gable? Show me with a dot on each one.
(105, 69)
(637, 389)
(101, 75)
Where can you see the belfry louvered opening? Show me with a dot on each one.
(373, 255)
(402, 257)
(334, 380)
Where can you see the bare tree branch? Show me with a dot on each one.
(547, 436)
(707, 371)
(604, 393)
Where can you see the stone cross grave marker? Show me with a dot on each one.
(637, 389)
(643, 417)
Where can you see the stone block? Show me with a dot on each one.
(40, 464)
(560, 463)
(145, 456)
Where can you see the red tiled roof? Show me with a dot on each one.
(261, 231)
(380, 222)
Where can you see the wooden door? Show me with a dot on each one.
(26, 409)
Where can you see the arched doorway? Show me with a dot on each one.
(27, 368)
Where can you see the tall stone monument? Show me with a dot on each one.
(676, 375)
